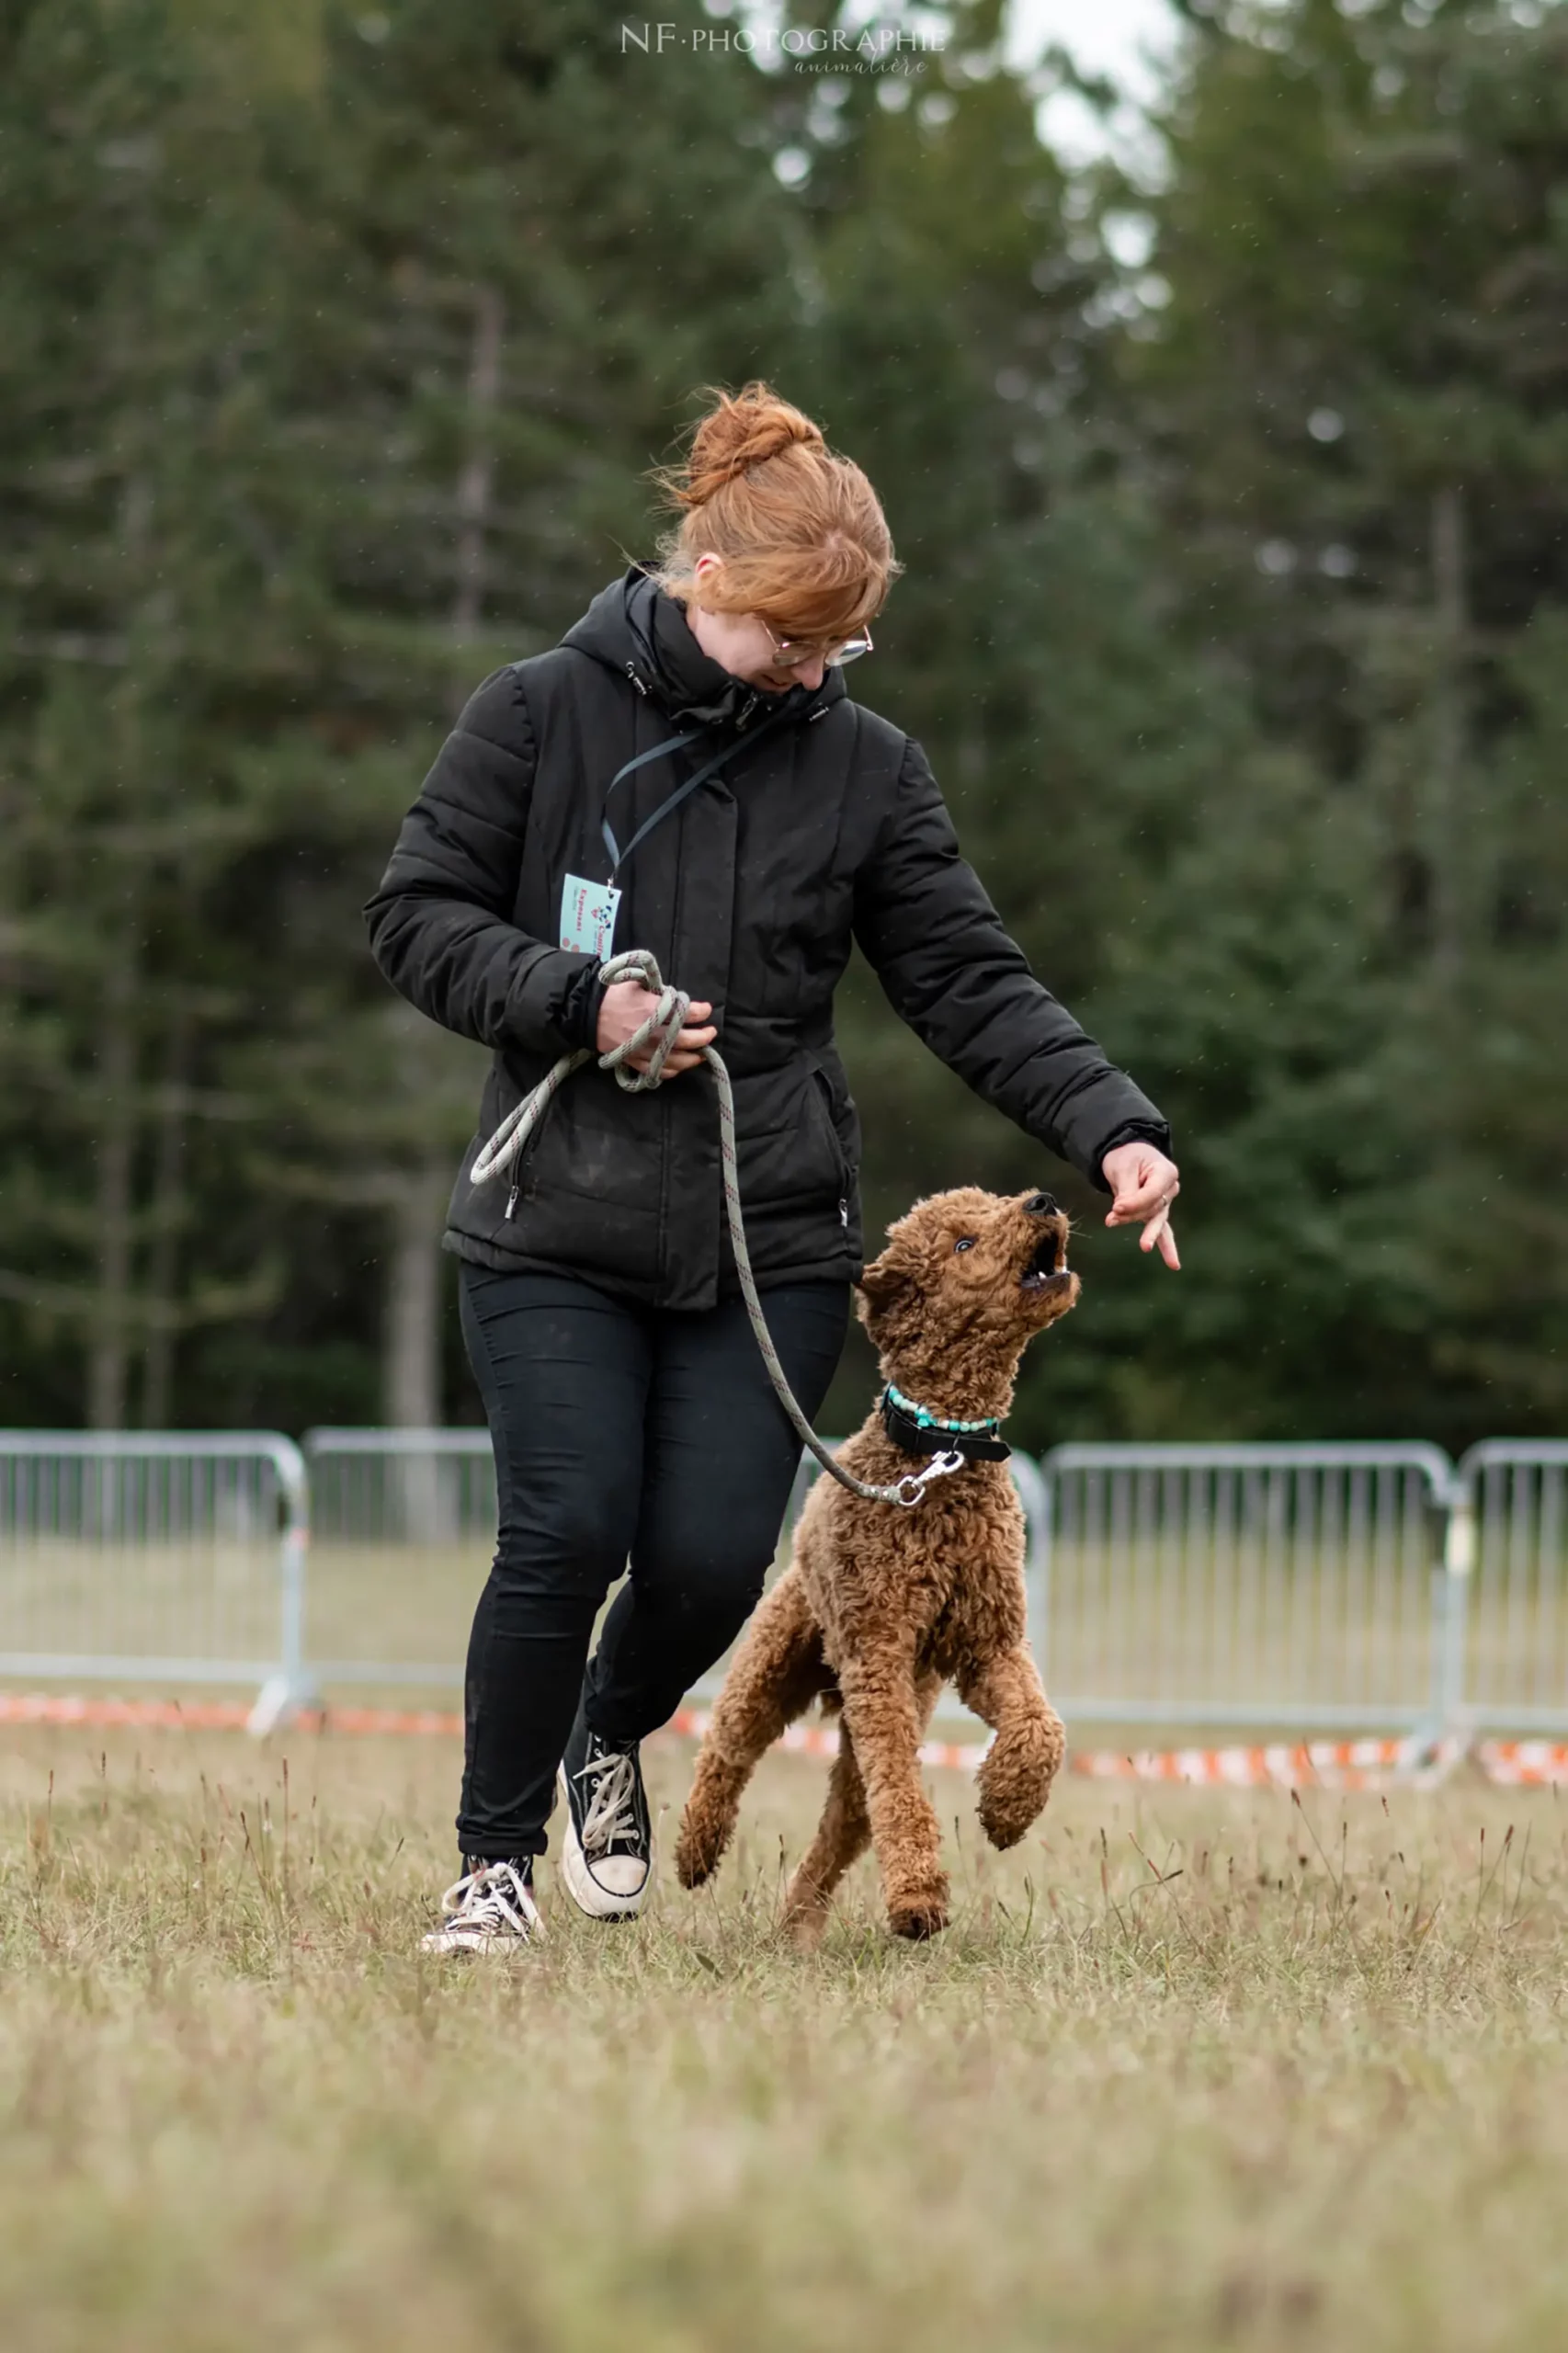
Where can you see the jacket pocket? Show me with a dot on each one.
(822, 1097)
(499, 1195)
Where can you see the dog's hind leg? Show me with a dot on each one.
(1022, 1761)
(843, 1834)
(777, 1673)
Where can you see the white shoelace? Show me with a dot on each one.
(611, 1811)
(495, 1899)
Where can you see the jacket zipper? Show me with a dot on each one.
(821, 1077)
(519, 1169)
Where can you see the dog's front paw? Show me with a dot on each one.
(919, 1912)
(699, 1846)
(1007, 1809)
(1003, 1826)
(1015, 1779)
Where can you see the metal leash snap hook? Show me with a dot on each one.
(917, 1481)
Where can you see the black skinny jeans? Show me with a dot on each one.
(624, 1437)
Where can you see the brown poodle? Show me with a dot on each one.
(881, 1605)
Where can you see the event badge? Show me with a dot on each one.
(588, 916)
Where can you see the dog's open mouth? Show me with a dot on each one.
(1041, 1268)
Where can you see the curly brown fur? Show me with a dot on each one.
(843, 1834)
(880, 1607)
(777, 1673)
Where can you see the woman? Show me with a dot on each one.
(685, 773)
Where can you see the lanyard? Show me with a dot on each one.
(618, 857)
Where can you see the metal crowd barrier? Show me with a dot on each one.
(1508, 1650)
(154, 1557)
(1266, 1586)
(402, 1524)
(1356, 1587)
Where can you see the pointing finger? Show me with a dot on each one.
(1158, 1234)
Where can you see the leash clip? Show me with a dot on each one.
(917, 1482)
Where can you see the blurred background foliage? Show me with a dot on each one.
(335, 345)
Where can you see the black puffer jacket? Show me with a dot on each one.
(828, 828)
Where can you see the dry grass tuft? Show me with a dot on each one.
(1189, 2072)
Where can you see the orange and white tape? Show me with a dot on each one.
(1316, 1764)
(213, 1715)
(156, 1715)
(822, 1740)
(1324, 1764)
(1523, 1764)
(176, 1715)
(1320, 1764)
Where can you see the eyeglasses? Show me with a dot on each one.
(790, 652)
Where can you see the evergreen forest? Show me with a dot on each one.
(1230, 482)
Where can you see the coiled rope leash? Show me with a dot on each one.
(663, 1026)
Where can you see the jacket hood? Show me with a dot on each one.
(633, 628)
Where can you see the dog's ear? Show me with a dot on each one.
(885, 1282)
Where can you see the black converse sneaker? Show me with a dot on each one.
(607, 1855)
(491, 1909)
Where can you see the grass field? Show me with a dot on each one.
(1191, 2071)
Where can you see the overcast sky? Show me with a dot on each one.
(1108, 34)
(1124, 40)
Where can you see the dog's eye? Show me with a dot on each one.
(966, 1242)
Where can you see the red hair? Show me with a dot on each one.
(801, 532)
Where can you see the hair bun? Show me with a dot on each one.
(796, 528)
(741, 431)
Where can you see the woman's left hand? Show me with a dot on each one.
(1145, 1184)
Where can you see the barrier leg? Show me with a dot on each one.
(292, 1690)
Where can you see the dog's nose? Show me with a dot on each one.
(1040, 1205)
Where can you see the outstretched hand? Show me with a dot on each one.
(624, 1008)
(1145, 1184)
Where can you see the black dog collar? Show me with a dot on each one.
(933, 1435)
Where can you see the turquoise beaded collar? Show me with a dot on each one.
(919, 1431)
(929, 1420)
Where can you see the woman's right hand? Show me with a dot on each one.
(624, 1008)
